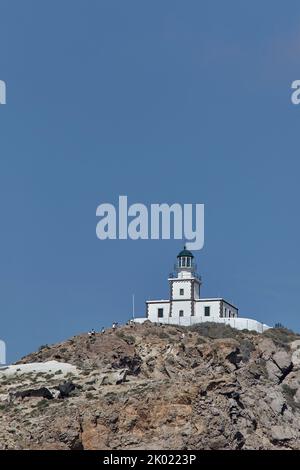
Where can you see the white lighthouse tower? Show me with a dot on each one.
(184, 286)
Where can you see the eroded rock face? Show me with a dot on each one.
(113, 378)
(147, 387)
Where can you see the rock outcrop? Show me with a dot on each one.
(153, 387)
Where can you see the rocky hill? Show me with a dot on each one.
(156, 387)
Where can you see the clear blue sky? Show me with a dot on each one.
(164, 101)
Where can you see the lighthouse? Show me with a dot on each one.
(184, 286)
(185, 305)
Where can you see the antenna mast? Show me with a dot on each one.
(133, 307)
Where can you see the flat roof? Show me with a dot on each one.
(214, 299)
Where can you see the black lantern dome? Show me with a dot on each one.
(185, 259)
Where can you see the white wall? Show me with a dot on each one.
(153, 311)
(185, 285)
(228, 310)
(184, 305)
(238, 323)
(197, 290)
(184, 275)
(213, 304)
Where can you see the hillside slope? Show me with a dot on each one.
(158, 387)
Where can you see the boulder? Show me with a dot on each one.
(42, 392)
(274, 373)
(281, 433)
(279, 365)
(133, 364)
(65, 389)
(282, 360)
(296, 358)
(278, 404)
(295, 344)
(267, 348)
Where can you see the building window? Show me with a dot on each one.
(181, 291)
(206, 311)
(181, 313)
(160, 312)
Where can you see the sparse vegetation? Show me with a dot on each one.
(43, 403)
(172, 331)
(49, 376)
(4, 407)
(157, 331)
(289, 394)
(200, 340)
(163, 335)
(129, 339)
(69, 375)
(215, 330)
(281, 336)
(39, 374)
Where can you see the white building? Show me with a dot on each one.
(185, 305)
